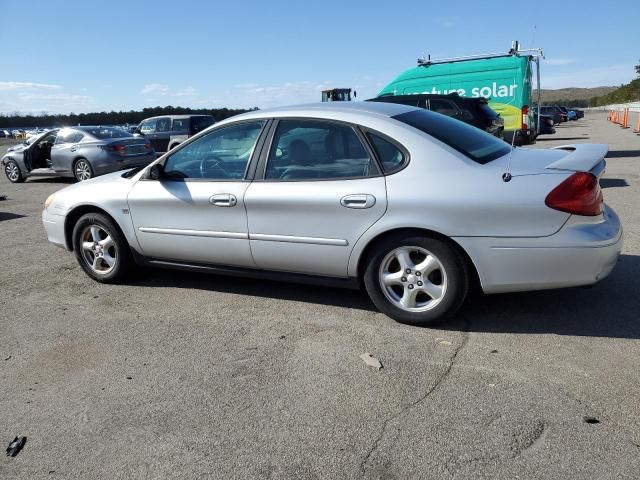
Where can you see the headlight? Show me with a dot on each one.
(49, 200)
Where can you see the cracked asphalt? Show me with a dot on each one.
(179, 375)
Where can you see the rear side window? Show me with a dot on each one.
(180, 125)
(487, 111)
(317, 150)
(390, 156)
(476, 144)
(69, 136)
(103, 133)
(163, 125)
(200, 123)
(445, 107)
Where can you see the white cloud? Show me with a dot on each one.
(27, 86)
(164, 90)
(558, 61)
(447, 22)
(154, 88)
(186, 92)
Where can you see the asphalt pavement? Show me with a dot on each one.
(180, 375)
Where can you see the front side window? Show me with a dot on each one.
(222, 154)
(148, 126)
(315, 149)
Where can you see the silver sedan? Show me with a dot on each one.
(410, 205)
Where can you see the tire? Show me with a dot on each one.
(448, 274)
(13, 172)
(82, 170)
(101, 249)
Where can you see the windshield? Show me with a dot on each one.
(476, 144)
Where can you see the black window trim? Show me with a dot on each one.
(262, 163)
(249, 168)
(405, 152)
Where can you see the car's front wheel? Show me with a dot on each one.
(13, 173)
(416, 280)
(101, 249)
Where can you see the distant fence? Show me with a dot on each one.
(632, 106)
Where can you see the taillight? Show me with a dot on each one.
(118, 148)
(525, 118)
(580, 194)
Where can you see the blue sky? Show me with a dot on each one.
(116, 55)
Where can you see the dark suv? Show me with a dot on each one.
(169, 131)
(474, 111)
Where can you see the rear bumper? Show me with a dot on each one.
(54, 226)
(579, 254)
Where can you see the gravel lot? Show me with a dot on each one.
(179, 375)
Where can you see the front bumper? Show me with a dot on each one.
(54, 226)
(581, 253)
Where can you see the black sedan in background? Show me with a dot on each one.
(474, 111)
(80, 152)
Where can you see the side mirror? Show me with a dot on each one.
(156, 172)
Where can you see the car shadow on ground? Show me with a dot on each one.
(9, 216)
(613, 182)
(623, 153)
(561, 138)
(608, 309)
(65, 180)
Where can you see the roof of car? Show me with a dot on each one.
(377, 108)
(188, 115)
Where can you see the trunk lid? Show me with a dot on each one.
(562, 159)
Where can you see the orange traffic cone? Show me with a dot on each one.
(637, 130)
(625, 118)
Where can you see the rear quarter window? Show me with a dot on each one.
(474, 143)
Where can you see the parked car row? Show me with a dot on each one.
(80, 152)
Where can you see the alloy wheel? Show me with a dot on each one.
(83, 170)
(413, 279)
(12, 172)
(98, 249)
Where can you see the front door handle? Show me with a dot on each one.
(223, 200)
(361, 200)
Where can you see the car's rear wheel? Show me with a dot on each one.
(82, 170)
(101, 249)
(13, 173)
(416, 280)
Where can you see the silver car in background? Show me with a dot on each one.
(80, 152)
(409, 204)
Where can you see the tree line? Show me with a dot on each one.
(132, 117)
(626, 93)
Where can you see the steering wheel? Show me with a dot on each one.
(212, 163)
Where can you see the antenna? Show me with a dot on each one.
(506, 176)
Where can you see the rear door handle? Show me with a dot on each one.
(223, 200)
(360, 200)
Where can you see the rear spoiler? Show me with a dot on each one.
(580, 157)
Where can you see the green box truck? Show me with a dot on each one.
(504, 79)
